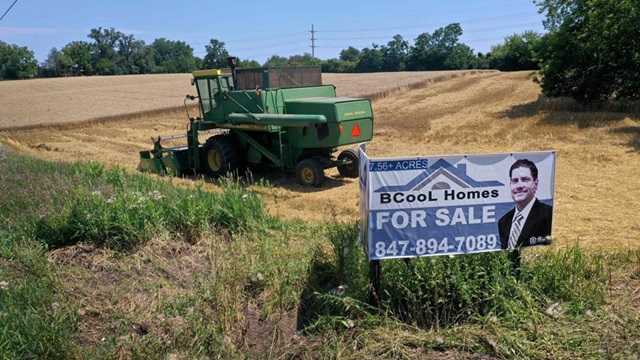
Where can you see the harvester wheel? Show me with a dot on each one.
(220, 156)
(351, 169)
(310, 172)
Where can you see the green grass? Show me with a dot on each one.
(212, 275)
(61, 204)
(36, 321)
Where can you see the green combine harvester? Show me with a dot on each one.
(281, 117)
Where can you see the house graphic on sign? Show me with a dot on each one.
(442, 175)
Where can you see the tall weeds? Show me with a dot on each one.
(108, 207)
(436, 292)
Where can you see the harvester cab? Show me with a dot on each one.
(282, 117)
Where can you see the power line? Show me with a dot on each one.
(271, 46)
(296, 50)
(260, 40)
(461, 21)
(289, 46)
(479, 30)
(9, 9)
(293, 48)
(462, 40)
(273, 43)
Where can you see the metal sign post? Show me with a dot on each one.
(375, 276)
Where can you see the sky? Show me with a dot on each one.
(257, 30)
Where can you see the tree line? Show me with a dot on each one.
(112, 52)
(590, 51)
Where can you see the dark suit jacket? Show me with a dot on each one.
(535, 229)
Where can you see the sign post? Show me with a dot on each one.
(374, 264)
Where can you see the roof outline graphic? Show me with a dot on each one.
(456, 174)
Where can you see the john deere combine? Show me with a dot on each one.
(281, 117)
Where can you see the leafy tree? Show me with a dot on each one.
(303, 60)
(55, 65)
(104, 50)
(460, 56)
(482, 60)
(294, 60)
(16, 62)
(517, 52)
(433, 51)
(395, 54)
(338, 66)
(371, 59)
(275, 61)
(133, 56)
(216, 56)
(197, 61)
(248, 64)
(78, 58)
(592, 49)
(105, 66)
(112, 52)
(172, 56)
(142, 59)
(350, 54)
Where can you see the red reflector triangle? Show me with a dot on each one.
(355, 130)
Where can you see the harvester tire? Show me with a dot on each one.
(310, 172)
(349, 170)
(220, 156)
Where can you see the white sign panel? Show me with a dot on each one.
(447, 205)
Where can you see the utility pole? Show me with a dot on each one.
(313, 41)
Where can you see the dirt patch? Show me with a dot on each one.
(264, 336)
(124, 294)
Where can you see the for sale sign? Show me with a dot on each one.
(461, 204)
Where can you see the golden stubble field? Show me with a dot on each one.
(597, 184)
(27, 103)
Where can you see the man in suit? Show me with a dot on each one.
(529, 222)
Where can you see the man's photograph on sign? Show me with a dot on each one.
(529, 222)
(459, 204)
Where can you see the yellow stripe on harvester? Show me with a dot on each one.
(209, 72)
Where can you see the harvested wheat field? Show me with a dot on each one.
(29, 103)
(598, 152)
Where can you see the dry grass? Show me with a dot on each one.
(597, 181)
(106, 287)
(377, 85)
(29, 103)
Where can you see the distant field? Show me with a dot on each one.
(27, 103)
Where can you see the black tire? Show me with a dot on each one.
(349, 170)
(310, 172)
(220, 156)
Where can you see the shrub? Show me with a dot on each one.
(518, 52)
